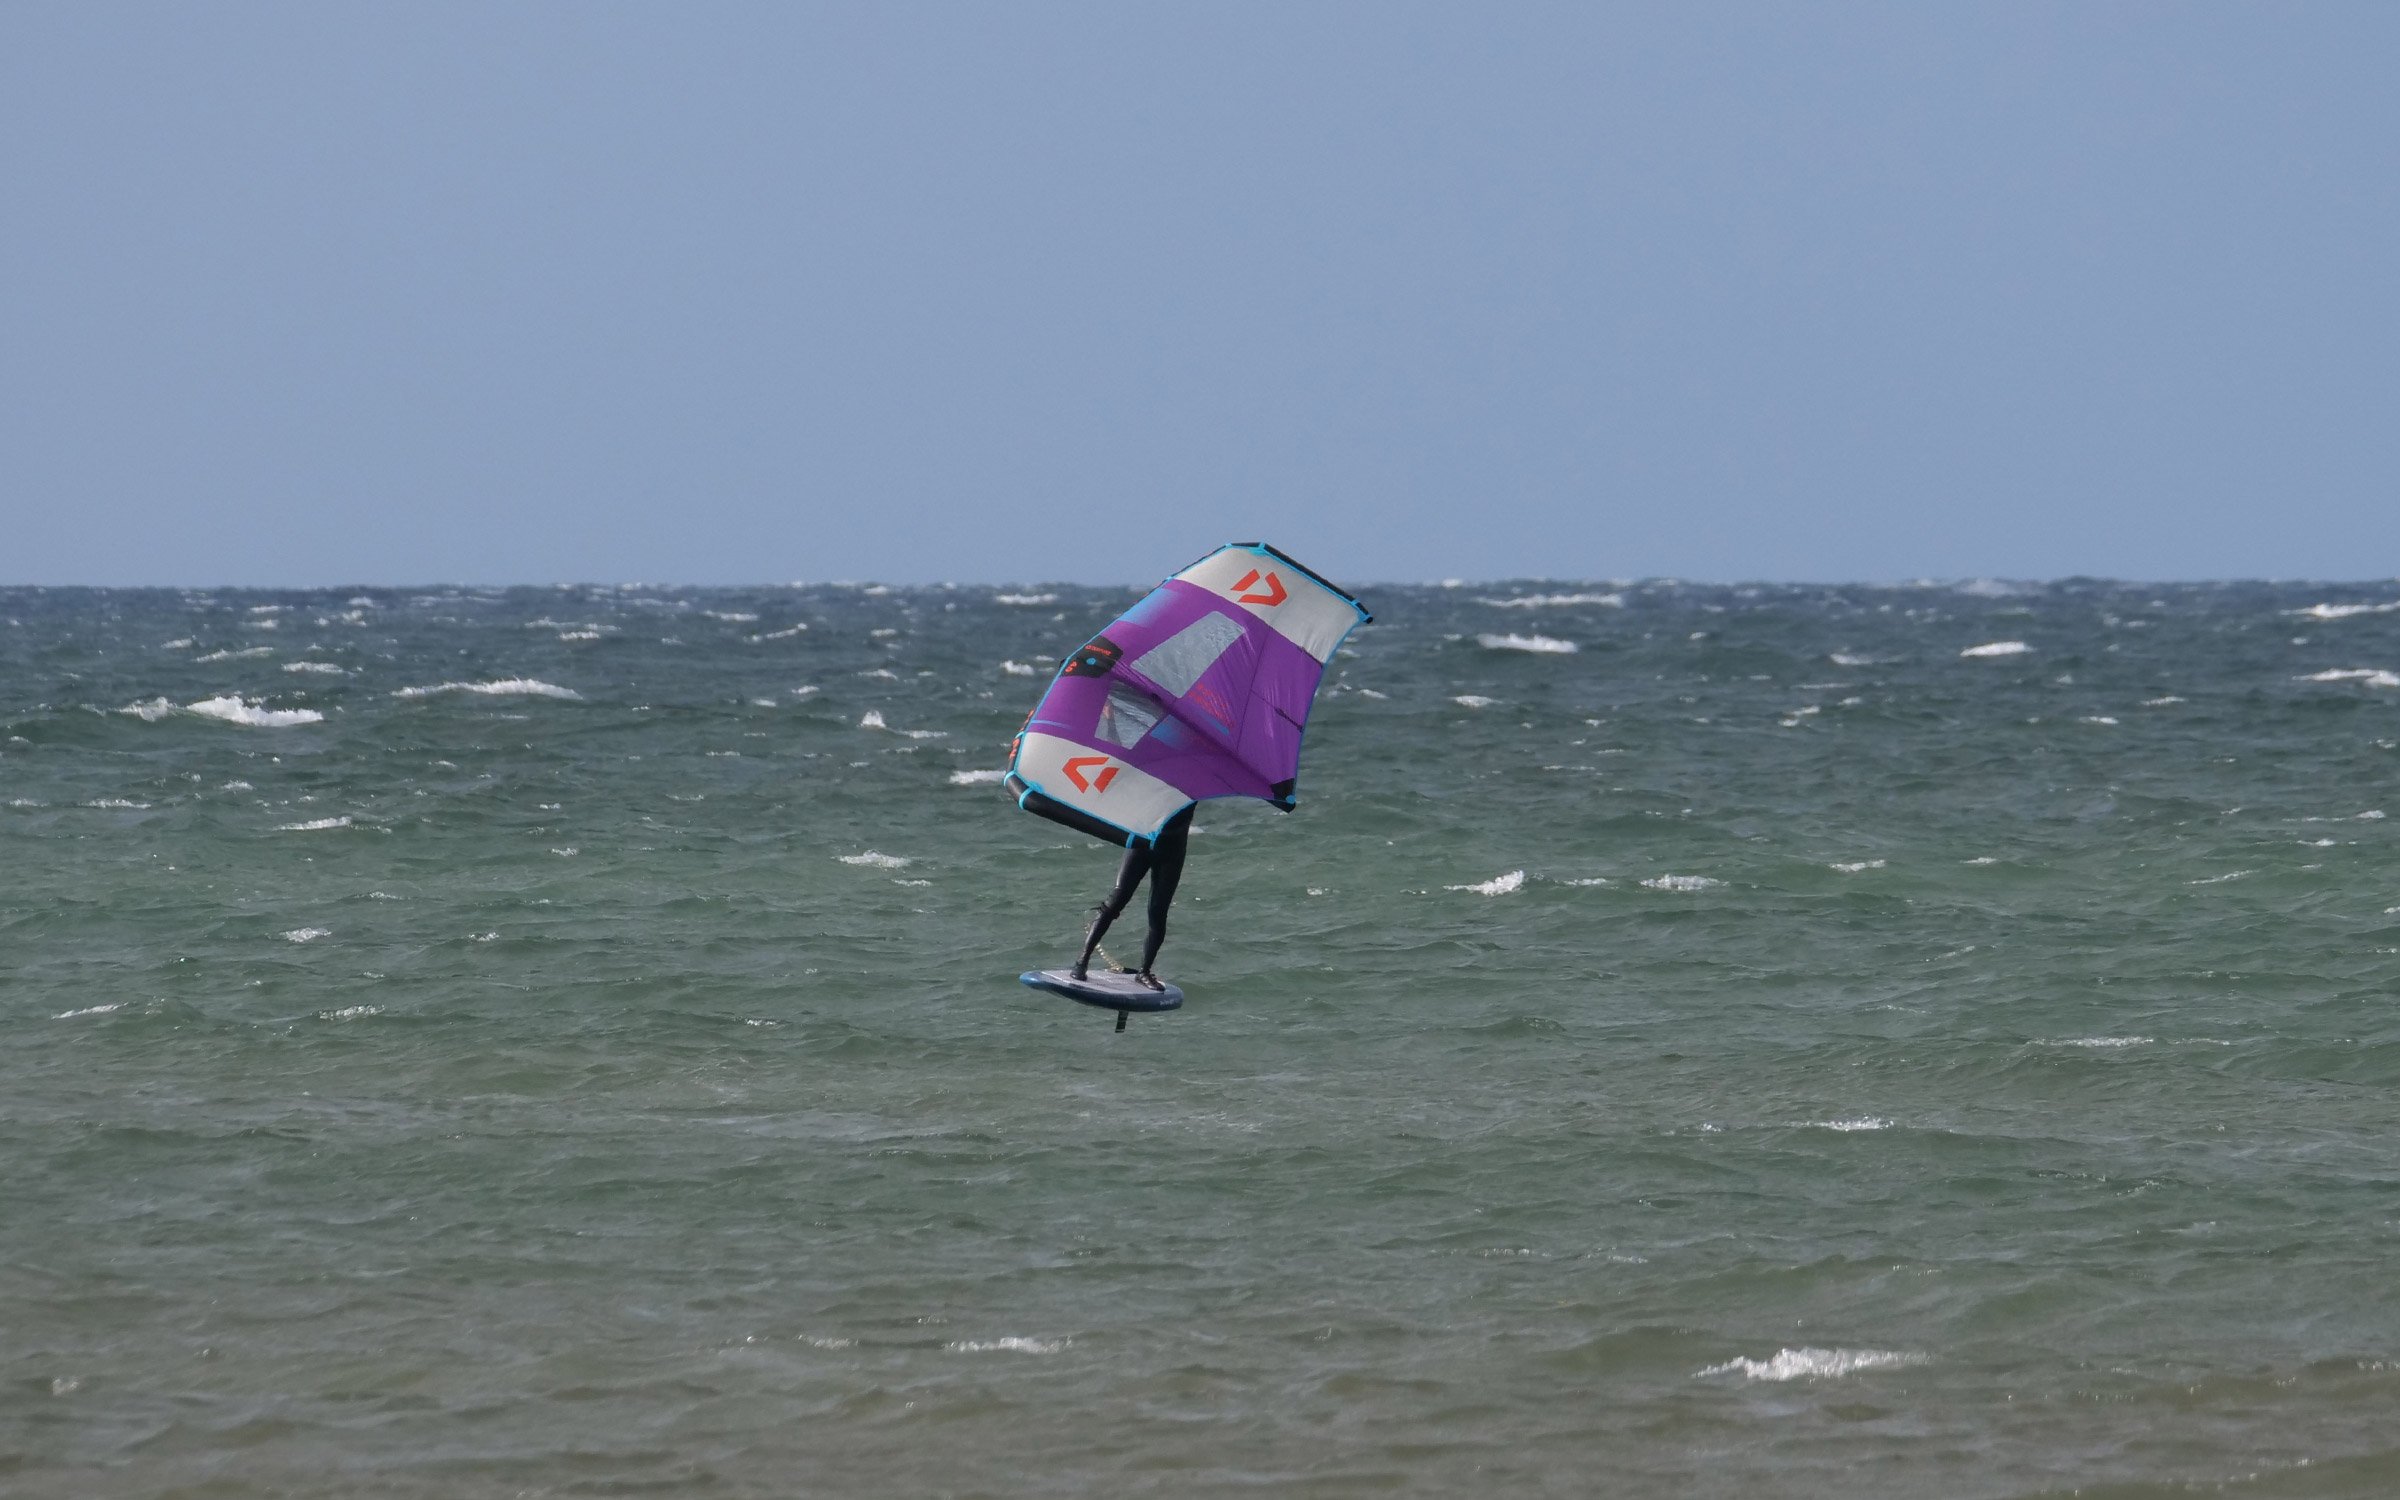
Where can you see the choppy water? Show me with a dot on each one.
(566, 1042)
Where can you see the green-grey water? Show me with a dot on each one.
(1850, 1042)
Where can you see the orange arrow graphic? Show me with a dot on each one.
(1075, 768)
(1273, 594)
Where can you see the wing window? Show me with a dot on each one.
(1182, 658)
(1127, 716)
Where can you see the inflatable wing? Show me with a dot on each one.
(1200, 690)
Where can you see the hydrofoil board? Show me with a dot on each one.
(1117, 992)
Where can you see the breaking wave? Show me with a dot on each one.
(234, 711)
(503, 687)
(2345, 611)
(1814, 1364)
(1541, 645)
(1558, 601)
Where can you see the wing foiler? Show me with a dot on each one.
(1200, 690)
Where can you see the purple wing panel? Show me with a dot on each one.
(1200, 690)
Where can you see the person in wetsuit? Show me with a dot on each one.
(1162, 860)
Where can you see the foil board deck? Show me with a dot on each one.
(1109, 991)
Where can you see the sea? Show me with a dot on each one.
(1937, 1040)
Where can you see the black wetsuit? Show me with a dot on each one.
(1162, 860)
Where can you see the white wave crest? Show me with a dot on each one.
(325, 667)
(1558, 601)
(1540, 645)
(1814, 1364)
(873, 719)
(976, 778)
(1681, 883)
(236, 655)
(1863, 1122)
(234, 711)
(502, 687)
(1474, 700)
(879, 861)
(306, 934)
(312, 827)
(1020, 669)
(227, 707)
(2371, 676)
(350, 1013)
(1026, 600)
(2100, 1041)
(1997, 648)
(1007, 1346)
(1856, 866)
(1498, 885)
(2345, 611)
(89, 1010)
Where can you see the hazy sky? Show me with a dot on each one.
(490, 292)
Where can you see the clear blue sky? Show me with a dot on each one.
(744, 292)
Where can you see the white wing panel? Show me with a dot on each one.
(1091, 782)
(1304, 611)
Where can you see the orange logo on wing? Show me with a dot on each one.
(1075, 768)
(1272, 593)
